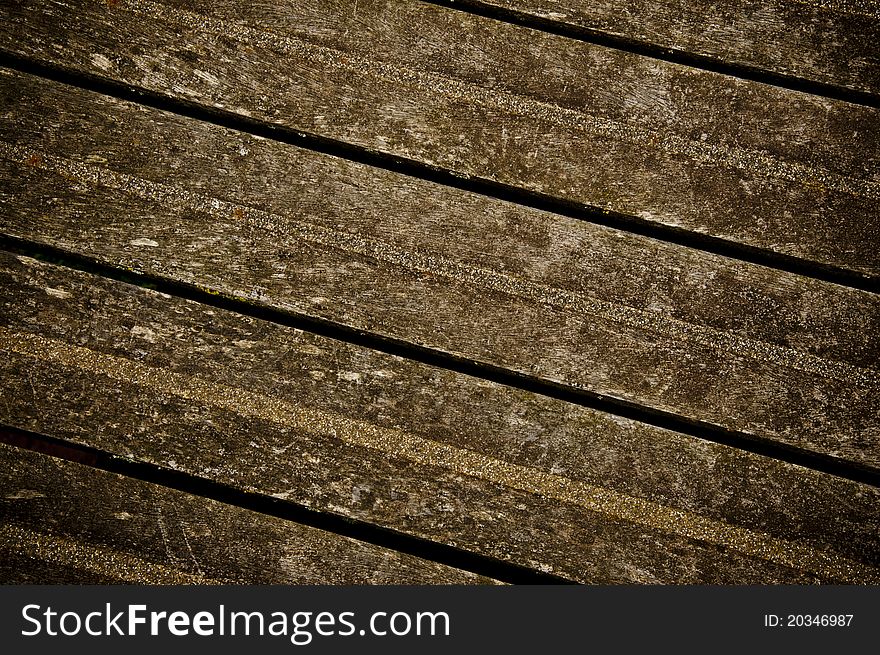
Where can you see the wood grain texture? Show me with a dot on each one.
(829, 42)
(762, 352)
(433, 453)
(62, 522)
(774, 169)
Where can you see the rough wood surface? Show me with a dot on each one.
(437, 454)
(766, 353)
(829, 42)
(66, 522)
(775, 169)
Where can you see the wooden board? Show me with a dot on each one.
(647, 140)
(765, 354)
(62, 522)
(436, 454)
(833, 43)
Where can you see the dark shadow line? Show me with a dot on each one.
(415, 169)
(347, 527)
(672, 55)
(437, 358)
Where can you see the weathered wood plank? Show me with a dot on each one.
(753, 350)
(792, 173)
(828, 42)
(437, 454)
(66, 522)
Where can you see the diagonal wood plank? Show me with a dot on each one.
(768, 354)
(440, 455)
(64, 522)
(830, 42)
(792, 174)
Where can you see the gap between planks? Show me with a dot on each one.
(100, 524)
(845, 469)
(439, 553)
(733, 250)
(680, 196)
(405, 263)
(71, 400)
(514, 14)
(394, 443)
